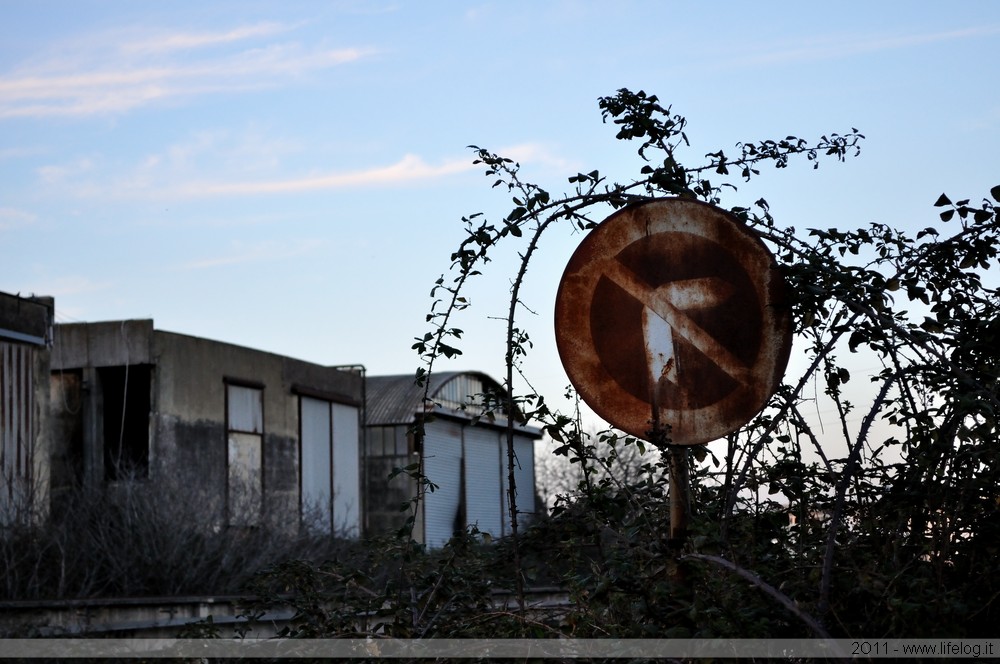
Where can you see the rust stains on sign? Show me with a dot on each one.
(673, 312)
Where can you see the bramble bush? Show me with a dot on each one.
(884, 524)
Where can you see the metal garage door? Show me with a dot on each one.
(346, 471)
(524, 478)
(331, 486)
(443, 466)
(483, 492)
(316, 463)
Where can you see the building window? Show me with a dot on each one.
(126, 404)
(244, 459)
(388, 441)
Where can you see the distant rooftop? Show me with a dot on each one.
(399, 400)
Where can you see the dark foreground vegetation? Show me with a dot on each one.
(882, 522)
(138, 538)
(882, 519)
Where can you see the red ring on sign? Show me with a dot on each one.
(675, 311)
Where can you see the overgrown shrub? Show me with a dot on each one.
(883, 523)
(140, 537)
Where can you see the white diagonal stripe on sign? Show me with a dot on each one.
(658, 337)
(656, 300)
(703, 293)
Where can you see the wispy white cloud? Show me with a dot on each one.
(56, 173)
(829, 48)
(255, 253)
(538, 155)
(410, 168)
(99, 80)
(14, 218)
(177, 41)
(169, 174)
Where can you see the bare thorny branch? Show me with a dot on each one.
(836, 303)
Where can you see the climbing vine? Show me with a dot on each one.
(858, 502)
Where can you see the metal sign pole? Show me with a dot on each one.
(677, 309)
(680, 479)
(680, 494)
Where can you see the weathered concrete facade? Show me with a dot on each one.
(194, 414)
(251, 436)
(25, 341)
(463, 454)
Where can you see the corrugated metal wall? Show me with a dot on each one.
(17, 435)
(316, 463)
(483, 489)
(442, 466)
(452, 451)
(524, 478)
(330, 466)
(346, 470)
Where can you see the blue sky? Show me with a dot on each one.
(291, 176)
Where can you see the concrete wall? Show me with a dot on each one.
(188, 447)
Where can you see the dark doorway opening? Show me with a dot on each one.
(126, 420)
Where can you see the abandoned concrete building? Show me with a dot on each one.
(253, 434)
(257, 434)
(464, 454)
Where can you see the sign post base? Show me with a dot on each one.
(680, 495)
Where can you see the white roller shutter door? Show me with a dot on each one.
(442, 452)
(524, 478)
(483, 492)
(316, 463)
(346, 471)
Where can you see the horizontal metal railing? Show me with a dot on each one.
(160, 617)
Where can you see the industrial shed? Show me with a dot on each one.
(464, 455)
(25, 341)
(258, 435)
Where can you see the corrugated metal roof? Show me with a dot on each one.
(397, 399)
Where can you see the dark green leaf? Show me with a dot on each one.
(516, 214)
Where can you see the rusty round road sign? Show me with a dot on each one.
(673, 312)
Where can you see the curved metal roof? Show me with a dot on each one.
(398, 399)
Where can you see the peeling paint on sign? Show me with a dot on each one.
(673, 312)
